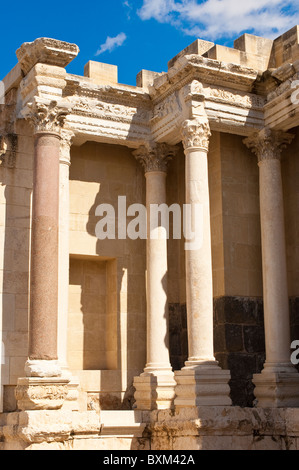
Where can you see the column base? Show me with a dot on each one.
(42, 368)
(154, 391)
(277, 387)
(203, 384)
(37, 393)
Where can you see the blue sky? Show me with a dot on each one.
(140, 34)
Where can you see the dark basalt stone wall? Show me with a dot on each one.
(239, 343)
(239, 340)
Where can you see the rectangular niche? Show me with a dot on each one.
(92, 318)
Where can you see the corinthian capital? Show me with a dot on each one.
(155, 157)
(46, 116)
(65, 146)
(196, 133)
(268, 144)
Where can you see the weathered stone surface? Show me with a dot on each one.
(46, 51)
(203, 428)
(34, 393)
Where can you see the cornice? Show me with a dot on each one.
(210, 71)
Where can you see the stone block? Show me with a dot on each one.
(234, 338)
(46, 51)
(154, 392)
(254, 44)
(205, 385)
(224, 54)
(254, 338)
(101, 74)
(199, 47)
(277, 389)
(145, 79)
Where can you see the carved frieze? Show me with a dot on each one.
(169, 106)
(111, 111)
(245, 100)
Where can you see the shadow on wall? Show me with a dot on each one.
(112, 279)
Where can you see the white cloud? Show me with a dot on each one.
(127, 5)
(213, 19)
(112, 43)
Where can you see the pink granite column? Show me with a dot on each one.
(43, 387)
(44, 248)
(48, 120)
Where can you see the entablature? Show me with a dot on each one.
(235, 98)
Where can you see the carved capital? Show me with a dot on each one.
(65, 146)
(268, 144)
(46, 117)
(155, 157)
(196, 134)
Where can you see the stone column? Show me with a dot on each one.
(155, 386)
(63, 268)
(201, 381)
(278, 384)
(71, 401)
(43, 387)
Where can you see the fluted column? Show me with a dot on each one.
(155, 386)
(278, 384)
(201, 381)
(42, 367)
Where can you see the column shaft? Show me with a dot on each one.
(276, 301)
(44, 249)
(43, 387)
(199, 284)
(201, 382)
(157, 302)
(155, 386)
(63, 264)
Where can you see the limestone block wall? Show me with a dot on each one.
(15, 201)
(107, 277)
(88, 316)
